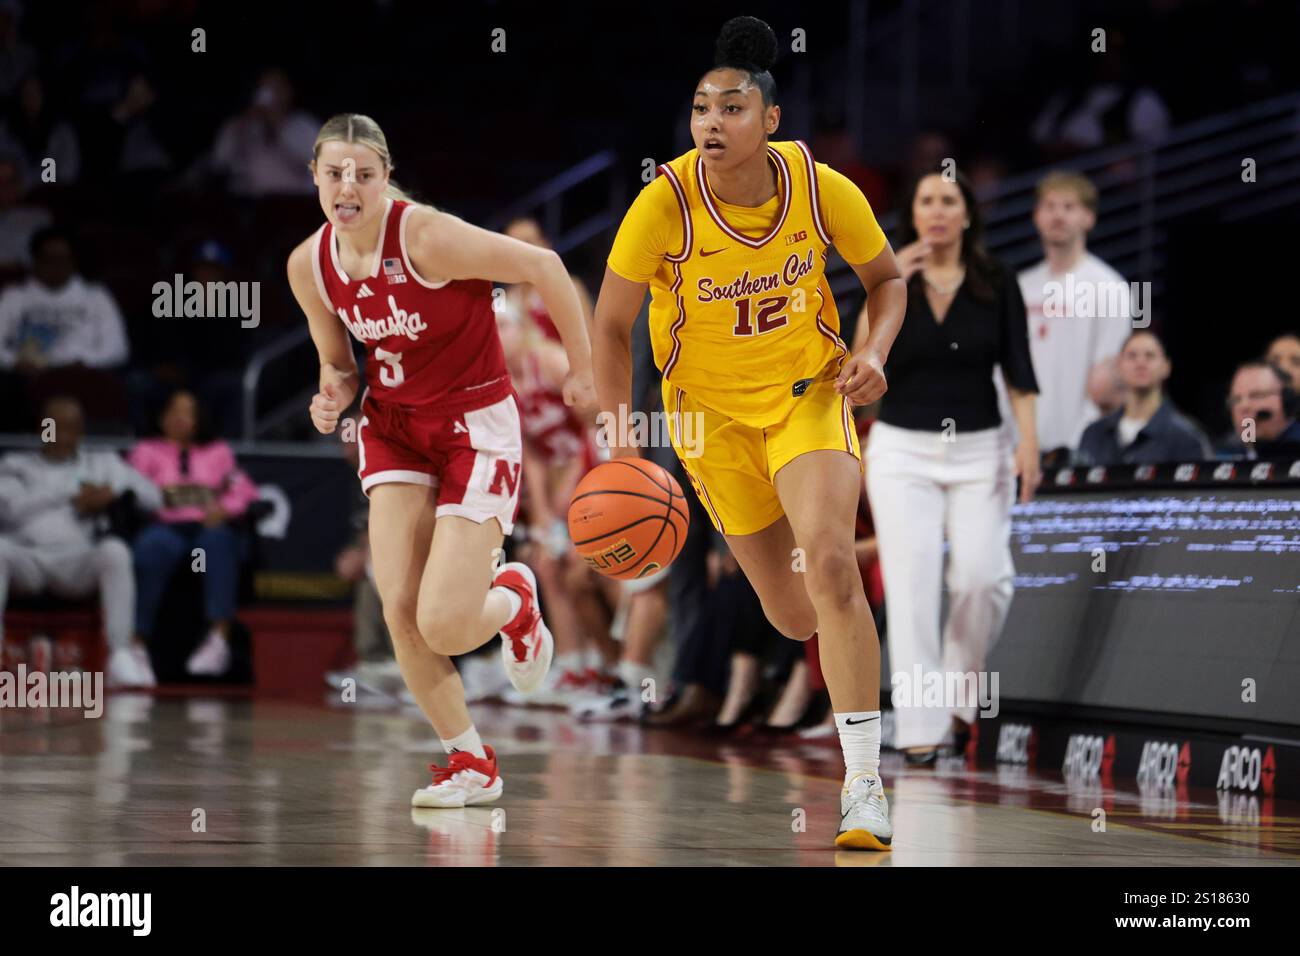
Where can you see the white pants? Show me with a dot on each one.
(921, 488)
(75, 572)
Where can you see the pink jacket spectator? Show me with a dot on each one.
(211, 466)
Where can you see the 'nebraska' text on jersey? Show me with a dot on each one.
(428, 344)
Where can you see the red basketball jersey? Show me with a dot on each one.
(542, 318)
(428, 344)
(549, 425)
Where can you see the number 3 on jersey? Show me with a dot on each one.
(391, 374)
(766, 319)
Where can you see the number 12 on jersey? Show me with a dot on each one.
(766, 317)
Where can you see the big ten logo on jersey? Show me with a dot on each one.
(794, 237)
(394, 271)
(616, 555)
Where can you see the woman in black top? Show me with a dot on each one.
(940, 464)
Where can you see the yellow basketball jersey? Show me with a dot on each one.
(742, 323)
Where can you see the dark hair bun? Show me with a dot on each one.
(746, 43)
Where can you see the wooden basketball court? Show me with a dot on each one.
(170, 781)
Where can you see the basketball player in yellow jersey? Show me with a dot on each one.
(731, 240)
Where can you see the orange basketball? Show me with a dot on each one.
(628, 518)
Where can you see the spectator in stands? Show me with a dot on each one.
(833, 145)
(940, 464)
(57, 318)
(59, 332)
(205, 356)
(203, 489)
(640, 621)
(524, 297)
(1284, 352)
(17, 58)
(702, 649)
(19, 220)
(1148, 429)
(104, 75)
(757, 651)
(53, 505)
(30, 130)
(1105, 387)
(1108, 108)
(1263, 406)
(1078, 307)
(926, 151)
(261, 150)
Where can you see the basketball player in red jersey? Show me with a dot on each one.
(525, 297)
(439, 435)
(559, 448)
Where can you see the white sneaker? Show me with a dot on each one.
(465, 782)
(526, 644)
(864, 815)
(481, 678)
(618, 704)
(558, 690)
(212, 658)
(130, 667)
(379, 679)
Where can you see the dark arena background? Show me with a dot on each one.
(198, 687)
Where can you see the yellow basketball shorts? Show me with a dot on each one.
(732, 466)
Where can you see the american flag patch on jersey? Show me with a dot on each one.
(392, 267)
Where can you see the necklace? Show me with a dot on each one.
(945, 289)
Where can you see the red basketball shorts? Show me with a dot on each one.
(471, 461)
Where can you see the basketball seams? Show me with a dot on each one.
(662, 567)
(663, 494)
(641, 471)
(634, 494)
(664, 522)
(613, 531)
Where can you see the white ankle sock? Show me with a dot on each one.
(571, 661)
(633, 674)
(467, 741)
(860, 741)
(516, 602)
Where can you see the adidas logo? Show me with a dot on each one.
(364, 291)
(459, 429)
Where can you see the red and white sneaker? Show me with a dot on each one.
(465, 782)
(526, 643)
